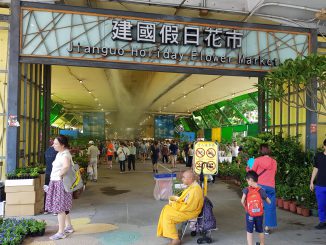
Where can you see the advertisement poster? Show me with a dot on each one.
(164, 127)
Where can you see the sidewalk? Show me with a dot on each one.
(120, 210)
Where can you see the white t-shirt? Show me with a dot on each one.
(235, 151)
(58, 163)
(93, 152)
(123, 152)
(191, 152)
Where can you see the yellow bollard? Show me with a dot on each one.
(205, 185)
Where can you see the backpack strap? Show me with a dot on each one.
(262, 172)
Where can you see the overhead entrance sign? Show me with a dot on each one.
(156, 40)
(206, 157)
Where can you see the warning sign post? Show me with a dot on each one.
(206, 156)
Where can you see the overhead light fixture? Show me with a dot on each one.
(184, 96)
(89, 92)
(202, 86)
(233, 94)
(81, 81)
(102, 109)
(96, 99)
(172, 102)
(99, 104)
(64, 101)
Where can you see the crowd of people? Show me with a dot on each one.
(156, 151)
(258, 198)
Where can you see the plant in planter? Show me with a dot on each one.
(287, 194)
(11, 176)
(34, 173)
(279, 194)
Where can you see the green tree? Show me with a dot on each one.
(299, 76)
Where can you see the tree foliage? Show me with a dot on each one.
(298, 77)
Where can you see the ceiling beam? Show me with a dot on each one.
(168, 113)
(173, 85)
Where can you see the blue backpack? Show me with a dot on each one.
(206, 220)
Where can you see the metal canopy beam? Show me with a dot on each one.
(311, 117)
(223, 114)
(13, 87)
(238, 112)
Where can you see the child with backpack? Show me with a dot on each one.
(252, 200)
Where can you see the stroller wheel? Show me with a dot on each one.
(193, 233)
(209, 240)
(200, 241)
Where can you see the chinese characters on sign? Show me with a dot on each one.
(178, 43)
(170, 34)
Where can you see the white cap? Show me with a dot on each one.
(91, 142)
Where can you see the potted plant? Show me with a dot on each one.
(286, 197)
(279, 194)
(40, 228)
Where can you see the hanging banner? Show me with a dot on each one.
(206, 157)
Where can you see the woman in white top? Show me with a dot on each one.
(190, 156)
(59, 201)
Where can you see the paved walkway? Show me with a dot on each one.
(120, 210)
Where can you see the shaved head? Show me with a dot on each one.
(188, 177)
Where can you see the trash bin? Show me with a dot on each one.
(163, 186)
(2, 192)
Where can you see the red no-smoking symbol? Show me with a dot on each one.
(211, 152)
(200, 152)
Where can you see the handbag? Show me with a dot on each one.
(72, 180)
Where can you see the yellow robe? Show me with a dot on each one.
(188, 206)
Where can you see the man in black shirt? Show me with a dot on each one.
(320, 187)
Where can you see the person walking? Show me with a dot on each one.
(252, 201)
(49, 155)
(93, 154)
(132, 156)
(165, 153)
(319, 171)
(123, 153)
(174, 153)
(155, 152)
(110, 149)
(57, 199)
(266, 166)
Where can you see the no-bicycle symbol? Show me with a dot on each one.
(211, 152)
(200, 152)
